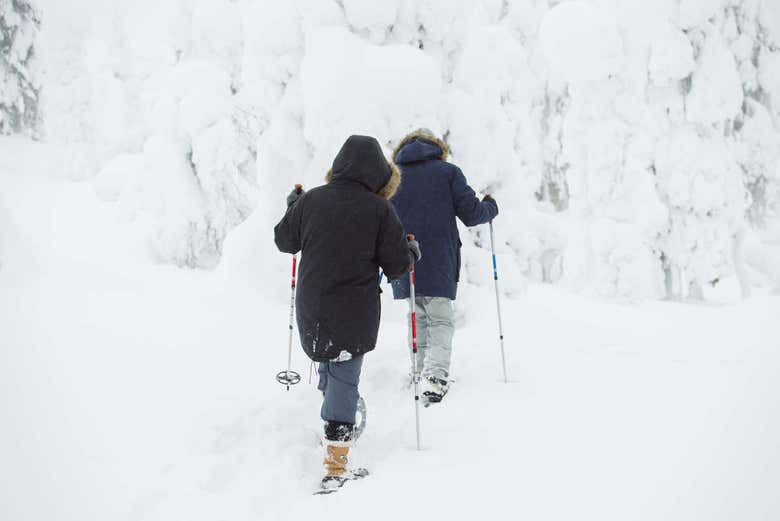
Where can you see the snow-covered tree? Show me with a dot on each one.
(630, 143)
(717, 170)
(19, 85)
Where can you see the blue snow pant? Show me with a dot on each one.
(339, 386)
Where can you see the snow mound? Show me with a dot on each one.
(671, 56)
(376, 17)
(351, 87)
(697, 12)
(771, 17)
(716, 92)
(580, 42)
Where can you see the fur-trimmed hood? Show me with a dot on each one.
(390, 187)
(420, 145)
(361, 160)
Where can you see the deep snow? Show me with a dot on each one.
(144, 392)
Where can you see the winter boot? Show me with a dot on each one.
(336, 471)
(335, 462)
(434, 389)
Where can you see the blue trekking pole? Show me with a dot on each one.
(498, 302)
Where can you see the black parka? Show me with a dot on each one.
(346, 232)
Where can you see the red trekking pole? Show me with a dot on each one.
(415, 369)
(290, 377)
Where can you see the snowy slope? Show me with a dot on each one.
(139, 391)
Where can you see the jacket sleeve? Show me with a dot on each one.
(392, 248)
(468, 207)
(287, 234)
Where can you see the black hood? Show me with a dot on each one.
(361, 159)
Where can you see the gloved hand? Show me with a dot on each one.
(489, 198)
(414, 248)
(296, 194)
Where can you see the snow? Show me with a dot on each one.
(769, 78)
(352, 87)
(19, 69)
(671, 57)
(695, 13)
(580, 41)
(560, 111)
(716, 92)
(704, 195)
(375, 17)
(634, 151)
(216, 34)
(140, 391)
(771, 18)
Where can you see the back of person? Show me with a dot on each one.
(340, 225)
(346, 230)
(433, 193)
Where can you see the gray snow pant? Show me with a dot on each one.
(435, 328)
(339, 386)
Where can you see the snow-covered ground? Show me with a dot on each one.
(139, 391)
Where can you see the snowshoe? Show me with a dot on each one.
(331, 484)
(360, 425)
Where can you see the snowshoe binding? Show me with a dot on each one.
(434, 390)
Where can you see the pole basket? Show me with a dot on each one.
(288, 378)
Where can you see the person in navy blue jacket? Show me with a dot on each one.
(432, 194)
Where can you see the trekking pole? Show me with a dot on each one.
(415, 369)
(498, 302)
(289, 377)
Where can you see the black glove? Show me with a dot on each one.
(489, 199)
(414, 248)
(297, 192)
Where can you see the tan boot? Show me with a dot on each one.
(336, 467)
(336, 458)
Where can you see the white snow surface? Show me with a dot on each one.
(581, 42)
(140, 391)
(633, 148)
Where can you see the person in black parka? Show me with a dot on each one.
(346, 229)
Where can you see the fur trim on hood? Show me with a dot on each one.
(390, 187)
(445, 149)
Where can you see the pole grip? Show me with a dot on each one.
(410, 237)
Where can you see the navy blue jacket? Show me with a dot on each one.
(432, 193)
